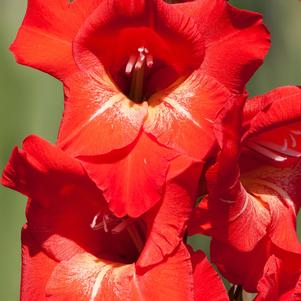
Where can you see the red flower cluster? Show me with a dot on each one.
(155, 117)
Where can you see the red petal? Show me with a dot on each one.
(276, 108)
(173, 211)
(36, 269)
(81, 277)
(44, 39)
(236, 40)
(65, 200)
(40, 162)
(208, 285)
(272, 124)
(85, 277)
(30, 171)
(172, 279)
(133, 179)
(187, 110)
(98, 118)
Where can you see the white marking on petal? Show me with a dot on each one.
(182, 111)
(137, 285)
(97, 284)
(279, 191)
(107, 105)
(209, 120)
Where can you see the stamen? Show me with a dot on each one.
(136, 69)
(130, 65)
(94, 222)
(283, 150)
(111, 224)
(265, 152)
(105, 222)
(114, 225)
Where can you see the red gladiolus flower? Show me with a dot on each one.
(74, 248)
(253, 200)
(143, 80)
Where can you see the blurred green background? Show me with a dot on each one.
(32, 102)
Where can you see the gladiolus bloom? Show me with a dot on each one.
(74, 248)
(254, 188)
(143, 80)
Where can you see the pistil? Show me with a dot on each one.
(136, 68)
